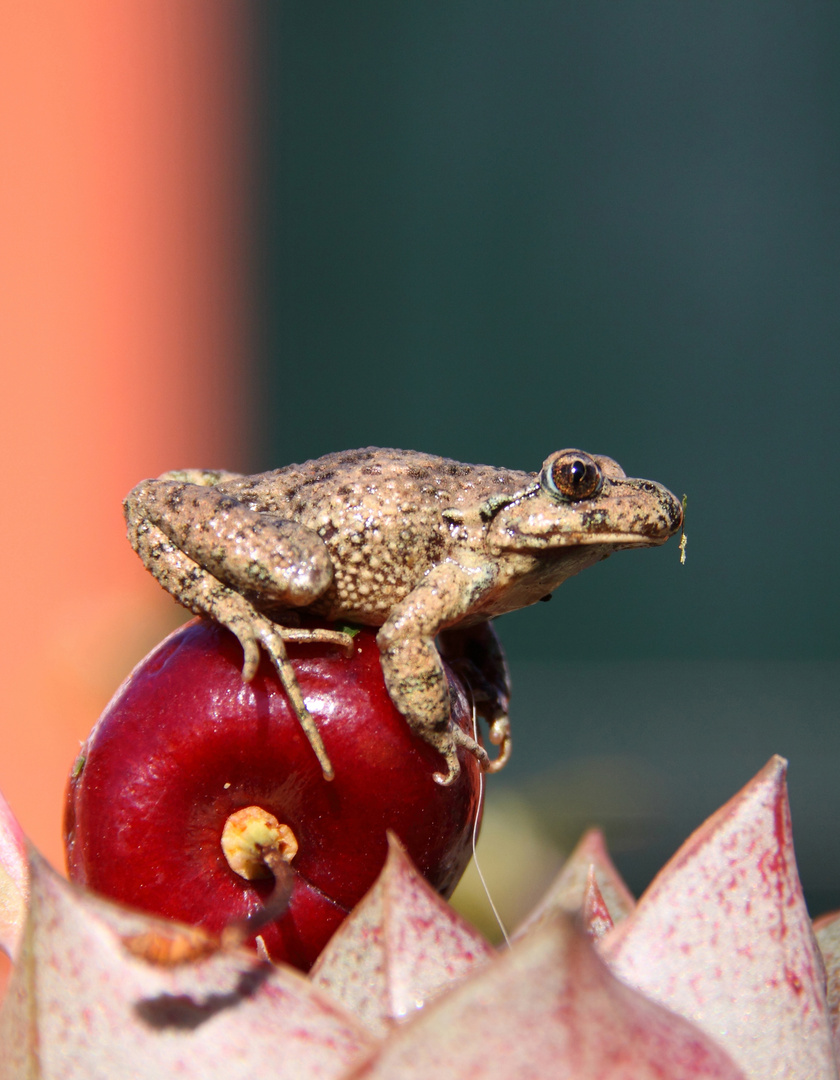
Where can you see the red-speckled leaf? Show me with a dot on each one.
(722, 936)
(14, 880)
(547, 1007)
(827, 933)
(566, 893)
(402, 945)
(81, 1006)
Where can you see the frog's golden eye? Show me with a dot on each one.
(571, 474)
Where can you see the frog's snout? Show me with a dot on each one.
(676, 513)
(655, 514)
(670, 518)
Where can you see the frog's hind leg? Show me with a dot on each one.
(254, 552)
(204, 594)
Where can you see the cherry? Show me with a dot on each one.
(185, 747)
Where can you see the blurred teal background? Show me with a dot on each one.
(492, 230)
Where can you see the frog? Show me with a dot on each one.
(428, 550)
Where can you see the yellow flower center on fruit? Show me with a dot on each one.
(248, 835)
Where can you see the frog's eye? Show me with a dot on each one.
(571, 474)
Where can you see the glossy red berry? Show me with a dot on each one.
(185, 743)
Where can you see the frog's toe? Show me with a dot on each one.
(453, 769)
(251, 657)
(461, 738)
(327, 637)
(500, 736)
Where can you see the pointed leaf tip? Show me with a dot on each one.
(722, 936)
(402, 945)
(568, 890)
(595, 915)
(547, 1007)
(82, 1006)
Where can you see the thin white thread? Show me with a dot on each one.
(493, 908)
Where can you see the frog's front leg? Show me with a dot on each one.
(476, 653)
(412, 665)
(216, 556)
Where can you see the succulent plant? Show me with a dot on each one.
(715, 972)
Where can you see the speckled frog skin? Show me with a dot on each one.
(426, 548)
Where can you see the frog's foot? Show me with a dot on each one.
(252, 630)
(259, 630)
(448, 746)
(499, 734)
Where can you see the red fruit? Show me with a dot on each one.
(185, 743)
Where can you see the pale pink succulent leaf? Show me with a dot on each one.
(14, 880)
(827, 933)
(547, 1007)
(400, 947)
(722, 936)
(82, 1006)
(566, 893)
(595, 916)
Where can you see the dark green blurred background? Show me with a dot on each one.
(492, 230)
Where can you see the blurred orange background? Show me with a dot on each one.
(125, 339)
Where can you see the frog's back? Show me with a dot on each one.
(379, 511)
(373, 476)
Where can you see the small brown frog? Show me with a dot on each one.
(421, 546)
